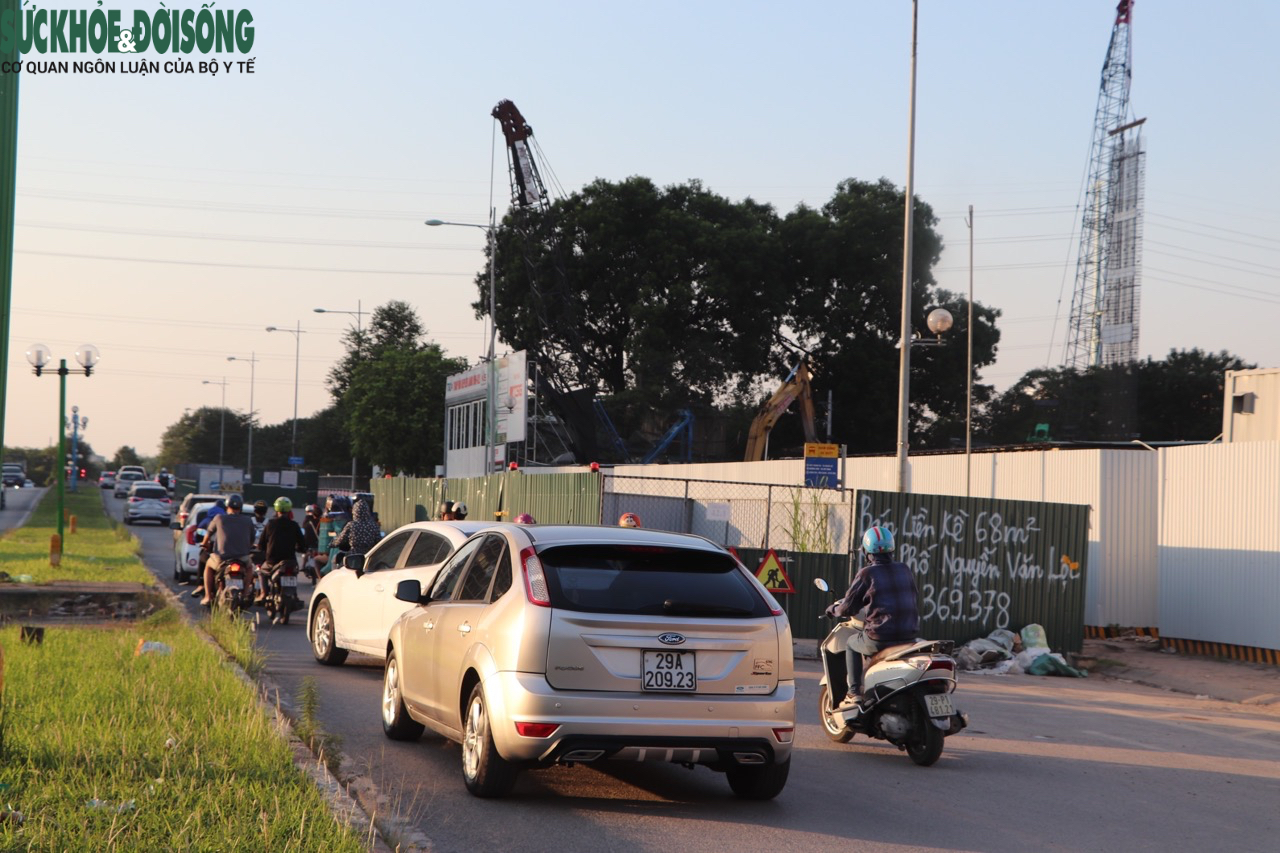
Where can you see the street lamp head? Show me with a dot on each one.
(318, 310)
(88, 357)
(39, 356)
(939, 320)
(434, 222)
(272, 329)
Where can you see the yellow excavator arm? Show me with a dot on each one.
(794, 387)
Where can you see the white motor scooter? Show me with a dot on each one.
(906, 693)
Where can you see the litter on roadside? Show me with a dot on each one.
(1003, 652)
(146, 647)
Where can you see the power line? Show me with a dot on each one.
(243, 238)
(277, 268)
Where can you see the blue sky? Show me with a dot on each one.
(360, 122)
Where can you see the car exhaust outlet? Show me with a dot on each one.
(582, 755)
(748, 758)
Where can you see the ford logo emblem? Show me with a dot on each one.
(672, 639)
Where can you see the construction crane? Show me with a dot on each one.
(1103, 328)
(795, 387)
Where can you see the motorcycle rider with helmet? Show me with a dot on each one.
(886, 590)
(311, 531)
(629, 519)
(230, 537)
(281, 541)
(362, 533)
(525, 518)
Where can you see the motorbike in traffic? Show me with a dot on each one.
(232, 582)
(906, 693)
(281, 584)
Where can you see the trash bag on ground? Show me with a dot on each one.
(1033, 637)
(1051, 664)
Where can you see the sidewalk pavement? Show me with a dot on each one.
(1139, 660)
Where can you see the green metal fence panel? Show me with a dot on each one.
(550, 498)
(553, 498)
(8, 193)
(983, 564)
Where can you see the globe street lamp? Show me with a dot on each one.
(939, 321)
(491, 418)
(358, 314)
(39, 357)
(253, 363)
(297, 348)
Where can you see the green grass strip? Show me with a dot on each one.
(99, 550)
(103, 748)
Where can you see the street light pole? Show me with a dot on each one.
(253, 363)
(222, 429)
(39, 356)
(358, 314)
(491, 422)
(968, 403)
(297, 349)
(904, 361)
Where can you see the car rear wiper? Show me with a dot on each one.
(690, 608)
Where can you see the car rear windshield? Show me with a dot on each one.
(649, 580)
(151, 492)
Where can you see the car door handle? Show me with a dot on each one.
(428, 625)
(464, 629)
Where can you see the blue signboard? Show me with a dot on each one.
(822, 465)
(295, 460)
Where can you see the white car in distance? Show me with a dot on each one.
(351, 610)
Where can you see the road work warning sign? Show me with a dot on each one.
(772, 575)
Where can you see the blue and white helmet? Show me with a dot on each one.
(877, 540)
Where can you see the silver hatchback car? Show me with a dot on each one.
(539, 645)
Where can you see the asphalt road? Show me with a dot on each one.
(1047, 764)
(18, 504)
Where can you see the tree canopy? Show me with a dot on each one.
(1178, 398)
(663, 297)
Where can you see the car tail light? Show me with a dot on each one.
(191, 535)
(536, 729)
(182, 519)
(165, 501)
(535, 581)
(784, 735)
(135, 500)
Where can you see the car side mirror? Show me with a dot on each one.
(821, 584)
(173, 525)
(355, 562)
(411, 591)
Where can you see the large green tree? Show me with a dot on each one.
(663, 295)
(1178, 398)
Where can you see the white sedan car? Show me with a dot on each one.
(186, 548)
(352, 610)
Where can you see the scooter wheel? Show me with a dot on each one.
(926, 747)
(832, 725)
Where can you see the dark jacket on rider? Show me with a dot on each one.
(281, 539)
(362, 533)
(887, 589)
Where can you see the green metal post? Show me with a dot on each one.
(8, 184)
(61, 468)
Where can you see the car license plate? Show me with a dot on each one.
(235, 583)
(288, 580)
(671, 671)
(938, 705)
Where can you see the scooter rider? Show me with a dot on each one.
(886, 590)
(230, 537)
(281, 541)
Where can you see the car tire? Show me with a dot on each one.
(396, 722)
(761, 782)
(324, 641)
(839, 734)
(485, 772)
